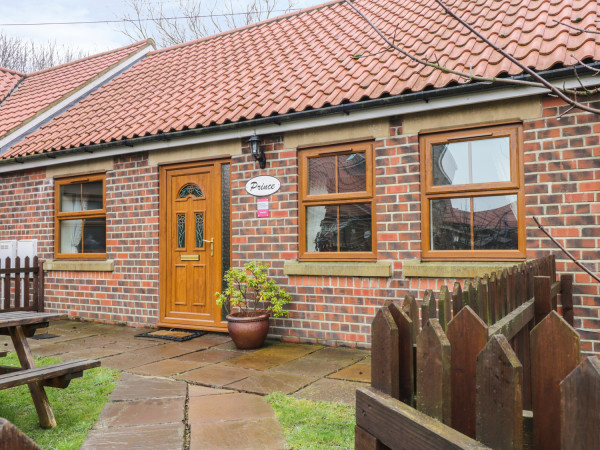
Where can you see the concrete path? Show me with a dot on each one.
(202, 393)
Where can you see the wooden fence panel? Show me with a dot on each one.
(499, 402)
(11, 438)
(580, 406)
(555, 350)
(385, 372)
(406, 363)
(365, 441)
(444, 307)
(433, 372)
(468, 336)
(399, 426)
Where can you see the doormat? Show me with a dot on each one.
(172, 335)
(44, 336)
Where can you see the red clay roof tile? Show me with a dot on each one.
(305, 60)
(39, 90)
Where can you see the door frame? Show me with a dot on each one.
(164, 241)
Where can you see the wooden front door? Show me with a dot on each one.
(190, 260)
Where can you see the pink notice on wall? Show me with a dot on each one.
(262, 207)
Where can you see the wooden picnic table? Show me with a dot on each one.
(20, 325)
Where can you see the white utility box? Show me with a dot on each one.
(8, 249)
(27, 247)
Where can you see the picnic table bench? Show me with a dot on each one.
(22, 324)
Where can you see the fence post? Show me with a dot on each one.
(384, 353)
(566, 297)
(41, 295)
(467, 335)
(17, 283)
(428, 309)
(410, 307)
(580, 406)
(7, 284)
(542, 294)
(457, 299)
(433, 372)
(555, 352)
(499, 401)
(406, 362)
(26, 280)
(483, 299)
(444, 307)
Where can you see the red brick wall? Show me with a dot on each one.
(562, 164)
(129, 294)
(27, 208)
(562, 178)
(562, 169)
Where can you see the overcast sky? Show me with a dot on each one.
(91, 38)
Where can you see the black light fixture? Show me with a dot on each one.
(256, 151)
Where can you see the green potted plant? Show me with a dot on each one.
(254, 297)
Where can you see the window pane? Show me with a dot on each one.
(355, 228)
(199, 230)
(70, 197)
(180, 230)
(495, 223)
(480, 161)
(450, 224)
(94, 232)
(321, 228)
(70, 236)
(92, 195)
(352, 173)
(321, 175)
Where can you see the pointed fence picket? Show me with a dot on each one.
(22, 286)
(497, 352)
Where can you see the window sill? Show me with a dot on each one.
(80, 266)
(414, 268)
(381, 269)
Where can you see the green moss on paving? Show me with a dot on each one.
(75, 408)
(311, 424)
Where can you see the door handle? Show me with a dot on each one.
(212, 246)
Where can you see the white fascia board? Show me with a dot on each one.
(75, 97)
(342, 118)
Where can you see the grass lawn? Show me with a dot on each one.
(314, 425)
(76, 408)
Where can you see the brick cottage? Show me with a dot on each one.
(130, 167)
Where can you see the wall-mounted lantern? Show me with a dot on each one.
(257, 151)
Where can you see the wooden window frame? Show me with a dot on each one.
(92, 214)
(367, 196)
(515, 186)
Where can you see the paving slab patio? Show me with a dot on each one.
(267, 382)
(203, 393)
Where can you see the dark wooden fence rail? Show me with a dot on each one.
(22, 285)
(486, 363)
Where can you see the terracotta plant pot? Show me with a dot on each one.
(248, 332)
